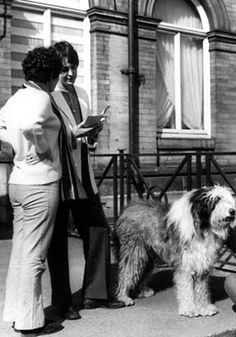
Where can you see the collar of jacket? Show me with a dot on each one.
(36, 85)
(61, 87)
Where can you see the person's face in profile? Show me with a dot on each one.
(68, 72)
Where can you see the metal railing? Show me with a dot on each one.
(129, 176)
(199, 167)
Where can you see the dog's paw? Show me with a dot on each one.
(208, 310)
(146, 292)
(127, 300)
(189, 312)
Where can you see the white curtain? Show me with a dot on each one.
(192, 83)
(165, 80)
(179, 12)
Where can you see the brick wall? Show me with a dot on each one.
(5, 62)
(5, 93)
(147, 92)
(5, 74)
(109, 50)
(223, 89)
(225, 129)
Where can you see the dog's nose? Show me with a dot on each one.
(232, 212)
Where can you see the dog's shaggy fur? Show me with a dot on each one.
(187, 235)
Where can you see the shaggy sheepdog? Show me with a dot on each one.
(186, 235)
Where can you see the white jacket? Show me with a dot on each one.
(28, 124)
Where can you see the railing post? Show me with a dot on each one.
(208, 169)
(128, 179)
(189, 172)
(122, 168)
(115, 192)
(198, 169)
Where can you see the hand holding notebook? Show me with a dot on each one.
(93, 121)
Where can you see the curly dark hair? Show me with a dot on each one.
(65, 50)
(41, 64)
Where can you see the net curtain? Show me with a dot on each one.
(179, 12)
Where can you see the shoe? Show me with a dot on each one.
(70, 313)
(48, 329)
(105, 304)
(27, 332)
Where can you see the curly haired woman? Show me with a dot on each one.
(28, 123)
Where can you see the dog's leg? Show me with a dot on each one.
(143, 290)
(132, 263)
(185, 293)
(202, 297)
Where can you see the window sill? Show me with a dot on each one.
(184, 134)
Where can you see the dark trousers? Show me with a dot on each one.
(94, 230)
(231, 240)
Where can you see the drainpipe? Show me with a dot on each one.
(134, 78)
(133, 85)
(134, 81)
(131, 70)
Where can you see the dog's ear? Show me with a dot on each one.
(201, 207)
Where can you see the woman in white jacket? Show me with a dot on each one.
(28, 123)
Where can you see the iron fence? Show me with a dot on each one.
(199, 167)
(129, 176)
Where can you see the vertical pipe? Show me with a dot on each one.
(132, 60)
(131, 73)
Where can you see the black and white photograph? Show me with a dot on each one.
(118, 168)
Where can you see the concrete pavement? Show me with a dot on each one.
(153, 317)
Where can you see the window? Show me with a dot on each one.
(37, 26)
(183, 81)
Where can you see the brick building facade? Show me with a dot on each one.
(109, 50)
(100, 30)
(108, 59)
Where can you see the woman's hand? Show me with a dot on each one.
(33, 158)
(80, 131)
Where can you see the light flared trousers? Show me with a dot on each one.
(34, 210)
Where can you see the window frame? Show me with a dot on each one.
(177, 31)
(24, 10)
